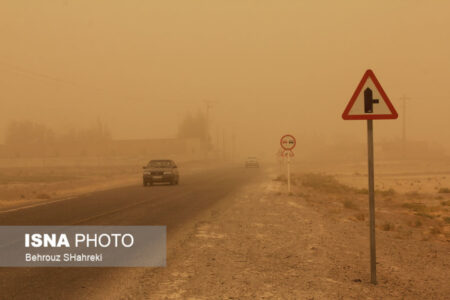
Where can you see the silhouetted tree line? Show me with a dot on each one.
(33, 139)
(194, 127)
(27, 133)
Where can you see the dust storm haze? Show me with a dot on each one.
(254, 69)
(145, 113)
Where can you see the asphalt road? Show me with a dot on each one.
(172, 206)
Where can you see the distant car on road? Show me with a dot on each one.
(251, 162)
(162, 170)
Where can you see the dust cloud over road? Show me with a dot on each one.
(92, 91)
(175, 207)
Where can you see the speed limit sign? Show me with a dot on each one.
(288, 142)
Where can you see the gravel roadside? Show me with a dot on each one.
(265, 244)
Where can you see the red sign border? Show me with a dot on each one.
(281, 142)
(367, 74)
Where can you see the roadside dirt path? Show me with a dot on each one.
(266, 244)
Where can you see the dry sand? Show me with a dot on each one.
(21, 187)
(34, 185)
(313, 244)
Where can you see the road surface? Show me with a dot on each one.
(173, 206)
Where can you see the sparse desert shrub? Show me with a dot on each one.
(415, 206)
(435, 230)
(415, 223)
(444, 191)
(420, 209)
(349, 204)
(445, 203)
(422, 214)
(325, 183)
(425, 238)
(300, 194)
(387, 226)
(43, 196)
(334, 211)
(362, 191)
(360, 217)
(40, 175)
(280, 178)
(447, 220)
(386, 193)
(413, 194)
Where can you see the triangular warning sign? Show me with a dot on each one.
(369, 101)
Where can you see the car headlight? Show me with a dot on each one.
(167, 172)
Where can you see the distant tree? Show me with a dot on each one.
(194, 127)
(96, 134)
(23, 133)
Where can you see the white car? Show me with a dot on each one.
(251, 162)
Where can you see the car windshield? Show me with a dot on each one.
(160, 163)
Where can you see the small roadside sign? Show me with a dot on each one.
(288, 142)
(369, 101)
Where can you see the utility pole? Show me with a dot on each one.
(209, 106)
(404, 99)
(223, 144)
(233, 146)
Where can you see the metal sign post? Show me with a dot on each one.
(370, 102)
(288, 143)
(289, 173)
(373, 256)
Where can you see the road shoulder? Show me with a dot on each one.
(267, 244)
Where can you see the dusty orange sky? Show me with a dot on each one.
(272, 66)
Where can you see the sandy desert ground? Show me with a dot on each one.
(262, 243)
(30, 183)
(29, 186)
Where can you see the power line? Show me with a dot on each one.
(33, 74)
